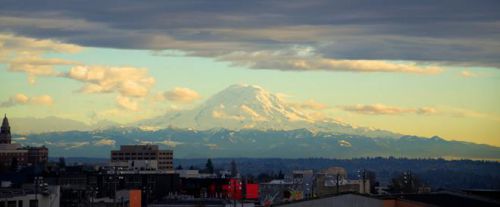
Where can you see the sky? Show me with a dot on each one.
(421, 68)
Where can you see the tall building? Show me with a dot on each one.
(5, 136)
(22, 155)
(142, 157)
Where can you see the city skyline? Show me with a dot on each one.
(399, 72)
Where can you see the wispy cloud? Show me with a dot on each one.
(166, 142)
(67, 145)
(381, 109)
(104, 142)
(468, 74)
(446, 111)
(304, 59)
(468, 113)
(310, 105)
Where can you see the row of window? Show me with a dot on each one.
(141, 153)
(139, 158)
(134, 158)
(19, 203)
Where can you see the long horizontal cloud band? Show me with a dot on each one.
(446, 31)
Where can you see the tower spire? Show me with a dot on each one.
(5, 131)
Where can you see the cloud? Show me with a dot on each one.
(426, 110)
(11, 44)
(127, 103)
(298, 60)
(104, 142)
(169, 143)
(35, 66)
(127, 81)
(380, 109)
(468, 74)
(181, 95)
(220, 114)
(21, 99)
(310, 105)
(212, 146)
(42, 100)
(450, 32)
(23, 54)
(20, 138)
(67, 145)
(344, 143)
(468, 113)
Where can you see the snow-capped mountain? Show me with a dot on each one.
(244, 106)
(248, 121)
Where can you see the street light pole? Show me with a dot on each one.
(37, 182)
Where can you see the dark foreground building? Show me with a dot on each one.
(80, 186)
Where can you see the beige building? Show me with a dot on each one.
(142, 155)
(334, 180)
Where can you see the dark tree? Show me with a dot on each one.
(209, 167)
(264, 177)
(281, 175)
(192, 168)
(179, 167)
(234, 169)
(406, 182)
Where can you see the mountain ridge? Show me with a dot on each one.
(299, 143)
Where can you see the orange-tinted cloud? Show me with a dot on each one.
(181, 95)
(381, 109)
(21, 99)
(127, 81)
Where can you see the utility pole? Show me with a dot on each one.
(37, 180)
(243, 185)
(114, 186)
(337, 183)
(362, 176)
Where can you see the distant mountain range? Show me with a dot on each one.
(297, 143)
(241, 121)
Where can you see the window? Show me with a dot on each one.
(33, 203)
(11, 203)
(20, 203)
